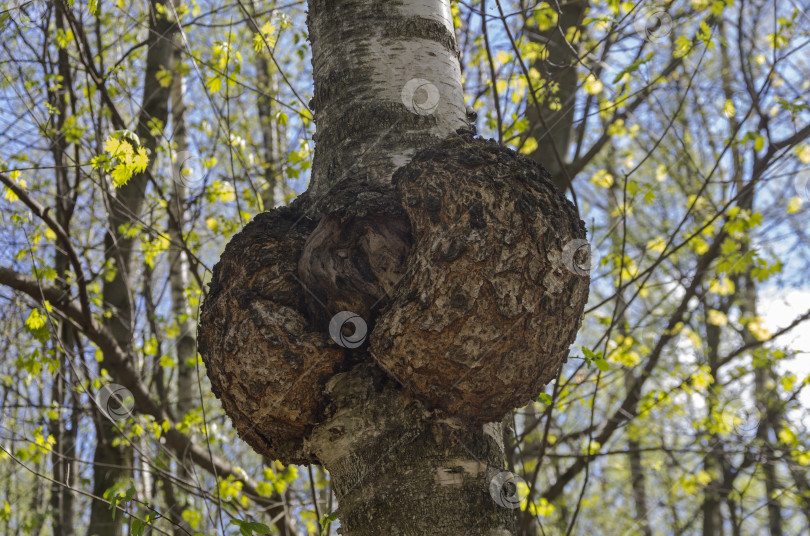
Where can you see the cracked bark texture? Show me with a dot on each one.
(493, 299)
(397, 470)
(485, 226)
(265, 362)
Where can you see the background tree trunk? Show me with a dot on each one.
(554, 128)
(112, 463)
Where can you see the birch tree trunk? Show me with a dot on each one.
(454, 256)
(376, 446)
(178, 262)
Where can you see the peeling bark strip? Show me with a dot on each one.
(387, 83)
(491, 302)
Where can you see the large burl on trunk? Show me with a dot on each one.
(467, 273)
(492, 300)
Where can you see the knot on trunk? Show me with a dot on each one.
(469, 274)
(357, 252)
(496, 284)
(266, 361)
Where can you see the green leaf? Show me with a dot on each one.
(35, 320)
(249, 528)
(120, 175)
(164, 77)
(633, 67)
(601, 364)
(596, 358)
(325, 520)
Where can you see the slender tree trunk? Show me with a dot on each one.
(560, 70)
(178, 262)
(185, 343)
(63, 454)
(616, 199)
(112, 462)
(717, 489)
(63, 451)
(267, 85)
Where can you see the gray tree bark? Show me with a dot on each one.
(267, 89)
(560, 68)
(452, 254)
(185, 345)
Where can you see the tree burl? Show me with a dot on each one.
(467, 267)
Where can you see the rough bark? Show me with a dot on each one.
(494, 293)
(264, 359)
(294, 396)
(374, 249)
(395, 470)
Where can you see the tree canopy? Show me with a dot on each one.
(137, 138)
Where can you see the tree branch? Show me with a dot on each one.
(120, 364)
